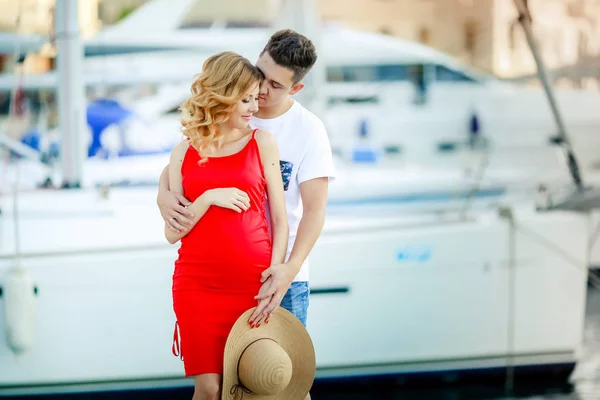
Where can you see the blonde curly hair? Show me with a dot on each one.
(225, 79)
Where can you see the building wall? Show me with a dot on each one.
(35, 16)
(567, 33)
(464, 29)
(403, 18)
(484, 33)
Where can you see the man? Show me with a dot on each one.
(306, 166)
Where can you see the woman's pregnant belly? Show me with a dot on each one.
(227, 245)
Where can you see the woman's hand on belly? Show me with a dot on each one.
(231, 198)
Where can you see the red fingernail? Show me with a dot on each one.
(257, 325)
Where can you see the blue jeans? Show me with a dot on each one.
(296, 300)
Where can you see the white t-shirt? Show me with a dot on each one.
(305, 154)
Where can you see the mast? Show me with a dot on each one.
(70, 91)
(525, 21)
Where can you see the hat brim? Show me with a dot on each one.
(285, 329)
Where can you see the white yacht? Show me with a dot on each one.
(89, 306)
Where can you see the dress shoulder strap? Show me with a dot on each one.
(254, 133)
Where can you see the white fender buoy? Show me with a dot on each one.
(18, 296)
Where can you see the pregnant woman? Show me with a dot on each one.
(231, 174)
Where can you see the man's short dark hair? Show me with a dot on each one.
(292, 50)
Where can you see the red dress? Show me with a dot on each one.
(217, 273)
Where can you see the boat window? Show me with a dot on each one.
(420, 82)
(335, 100)
(444, 74)
(393, 72)
(368, 73)
(359, 73)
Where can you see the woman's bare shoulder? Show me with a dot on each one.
(179, 150)
(265, 139)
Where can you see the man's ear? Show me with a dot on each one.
(296, 88)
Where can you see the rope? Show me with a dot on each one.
(11, 114)
(549, 245)
(554, 248)
(238, 391)
(483, 164)
(511, 323)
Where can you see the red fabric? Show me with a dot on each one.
(217, 273)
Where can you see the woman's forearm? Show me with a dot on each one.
(163, 180)
(199, 207)
(280, 235)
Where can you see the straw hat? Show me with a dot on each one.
(273, 362)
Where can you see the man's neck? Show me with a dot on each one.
(275, 111)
